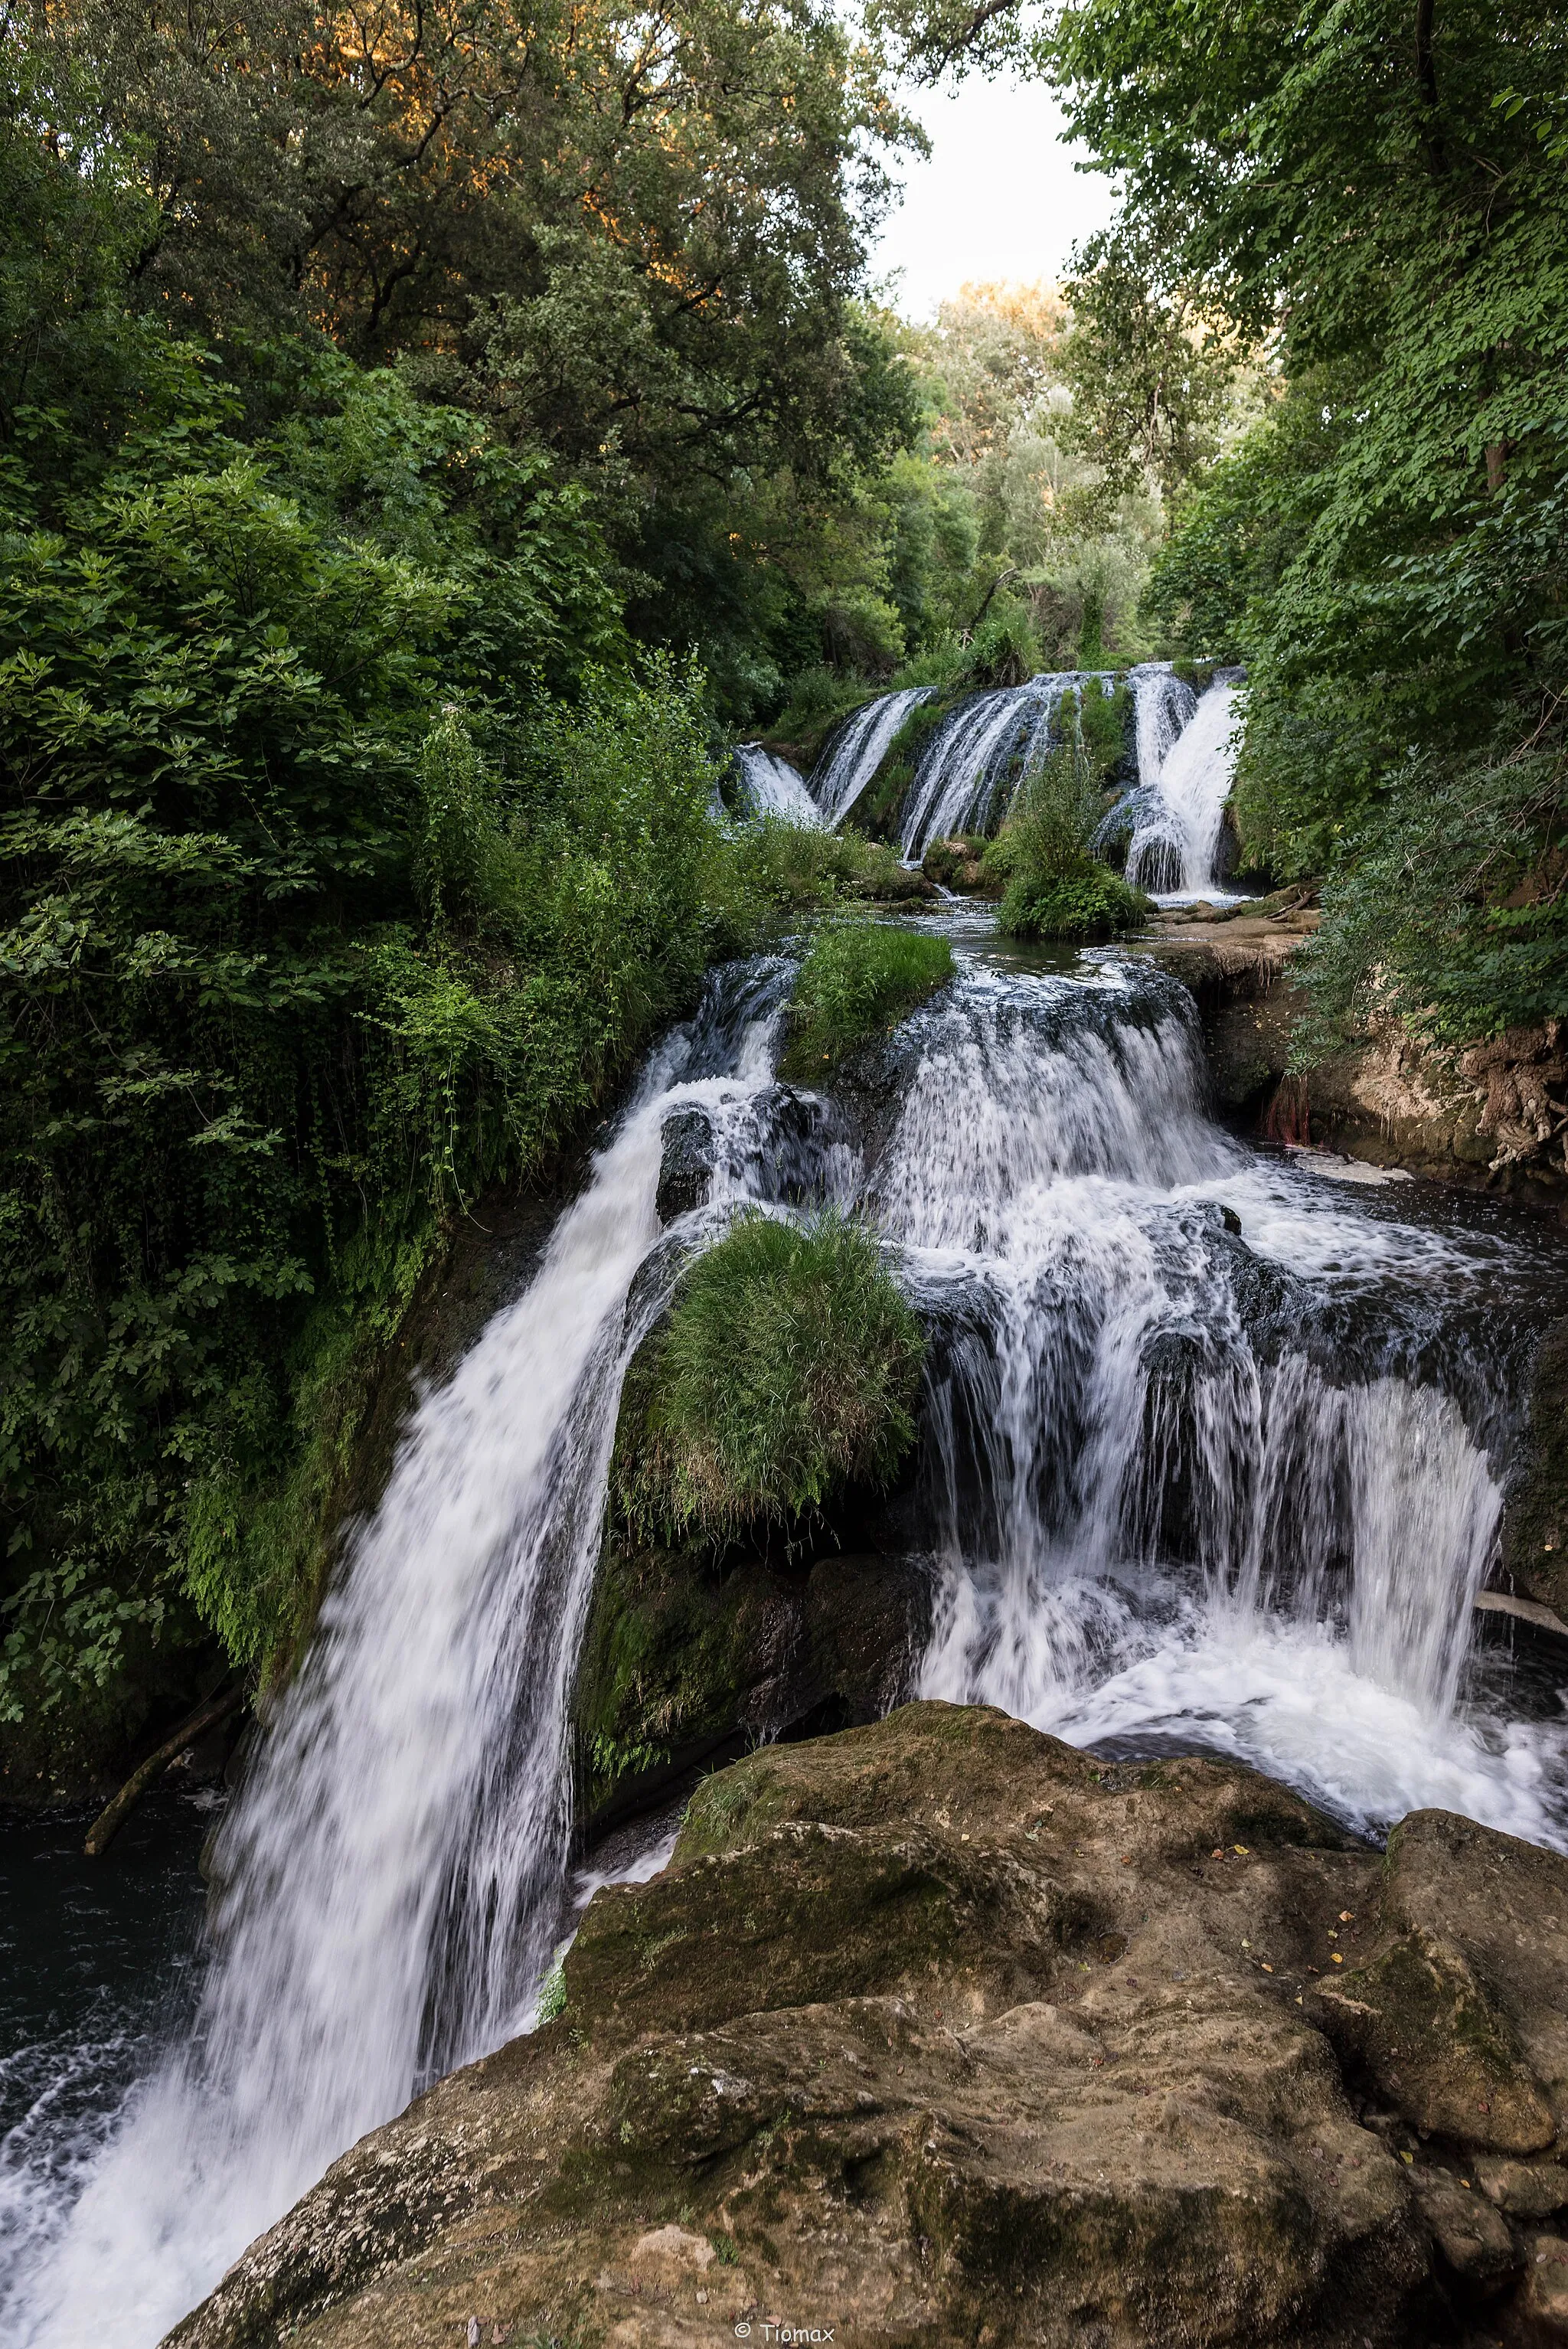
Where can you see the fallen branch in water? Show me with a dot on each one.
(109, 1820)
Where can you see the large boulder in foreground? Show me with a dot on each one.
(940, 2032)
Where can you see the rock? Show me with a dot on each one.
(1535, 1521)
(685, 1169)
(1454, 2013)
(938, 2031)
(682, 1651)
(1525, 2189)
(1545, 2293)
(1473, 2239)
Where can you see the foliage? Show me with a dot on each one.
(1091, 903)
(774, 867)
(1384, 547)
(297, 956)
(858, 978)
(1055, 887)
(787, 1370)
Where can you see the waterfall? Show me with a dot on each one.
(1209, 1459)
(1182, 805)
(1191, 1484)
(859, 749)
(1162, 706)
(396, 1857)
(979, 748)
(771, 786)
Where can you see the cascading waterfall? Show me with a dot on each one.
(1179, 808)
(978, 748)
(1163, 705)
(1194, 1483)
(970, 764)
(859, 749)
(771, 786)
(394, 1865)
(1208, 1461)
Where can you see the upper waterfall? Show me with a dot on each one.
(1181, 804)
(970, 764)
(771, 786)
(859, 749)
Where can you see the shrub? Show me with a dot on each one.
(857, 979)
(958, 863)
(775, 866)
(1093, 903)
(786, 1369)
(1055, 887)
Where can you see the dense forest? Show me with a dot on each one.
(428, 438)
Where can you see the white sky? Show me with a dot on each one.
(998, 199)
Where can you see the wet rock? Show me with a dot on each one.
(685, 1169)
(1525, 2189)
(684, 1651)
(1535, 1524)
(940, 2032)
(1454, 2013)
(1545, 2295)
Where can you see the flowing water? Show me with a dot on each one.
(858, 749)
(1183, 786)
(967, 772)
(1212, 1456)
(771, 786)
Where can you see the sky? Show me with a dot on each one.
(998, 199)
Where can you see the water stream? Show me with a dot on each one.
(771, 786)
(1212, 1455)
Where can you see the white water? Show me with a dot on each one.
(398, 1852)
(1188, 1486)
(1176, 1508)
(971, 756)
(1162, 707)
(773, 787)
(1182, 805)
(838, 781)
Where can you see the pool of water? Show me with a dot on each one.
(99, 1963)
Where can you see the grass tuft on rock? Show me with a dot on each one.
(858, 978)
(787, 1370)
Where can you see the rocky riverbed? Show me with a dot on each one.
(939, 2030)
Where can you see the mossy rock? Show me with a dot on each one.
(1535, 1525)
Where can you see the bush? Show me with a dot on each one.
(1056, 886)
(775, 866)
(787, 1370)
(958, 863)
(857, 979)
(1093, 903)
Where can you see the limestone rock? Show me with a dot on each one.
(938, 2031)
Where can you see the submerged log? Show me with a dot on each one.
(112, 1817)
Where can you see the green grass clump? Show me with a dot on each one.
(787, 1370)
(777, 866)
(858, 978)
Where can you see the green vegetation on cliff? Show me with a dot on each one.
(785, 1370)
